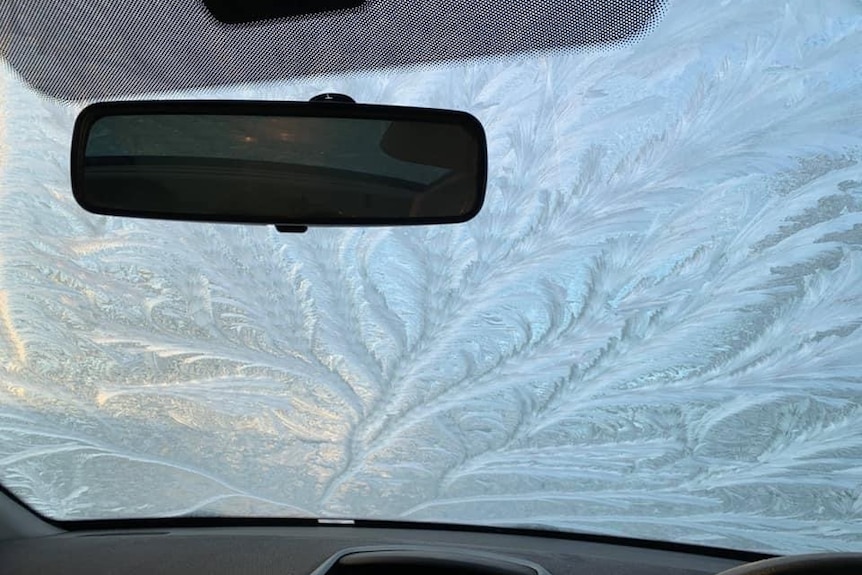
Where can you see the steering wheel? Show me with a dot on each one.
(819, 564)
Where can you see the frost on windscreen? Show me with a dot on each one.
(652, 329)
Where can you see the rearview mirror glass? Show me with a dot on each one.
(298, 163)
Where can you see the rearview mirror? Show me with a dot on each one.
(295, 163)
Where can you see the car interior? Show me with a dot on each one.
(363, 287)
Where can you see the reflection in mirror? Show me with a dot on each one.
(283, 168)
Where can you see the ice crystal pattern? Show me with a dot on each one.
(652, 329)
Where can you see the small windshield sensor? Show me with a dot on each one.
(245, 11)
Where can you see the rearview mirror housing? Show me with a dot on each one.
(281, 163)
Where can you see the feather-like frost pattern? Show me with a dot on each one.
(652, 329)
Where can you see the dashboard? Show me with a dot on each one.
(340, 550)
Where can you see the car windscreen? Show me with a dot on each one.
(652, 329)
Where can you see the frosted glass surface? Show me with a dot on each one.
(652, 329)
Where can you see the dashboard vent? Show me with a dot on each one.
(423, 561)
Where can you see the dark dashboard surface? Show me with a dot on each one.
(300, 550)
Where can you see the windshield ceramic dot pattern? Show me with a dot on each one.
(76, 54)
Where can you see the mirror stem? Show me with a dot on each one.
(288, 229)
